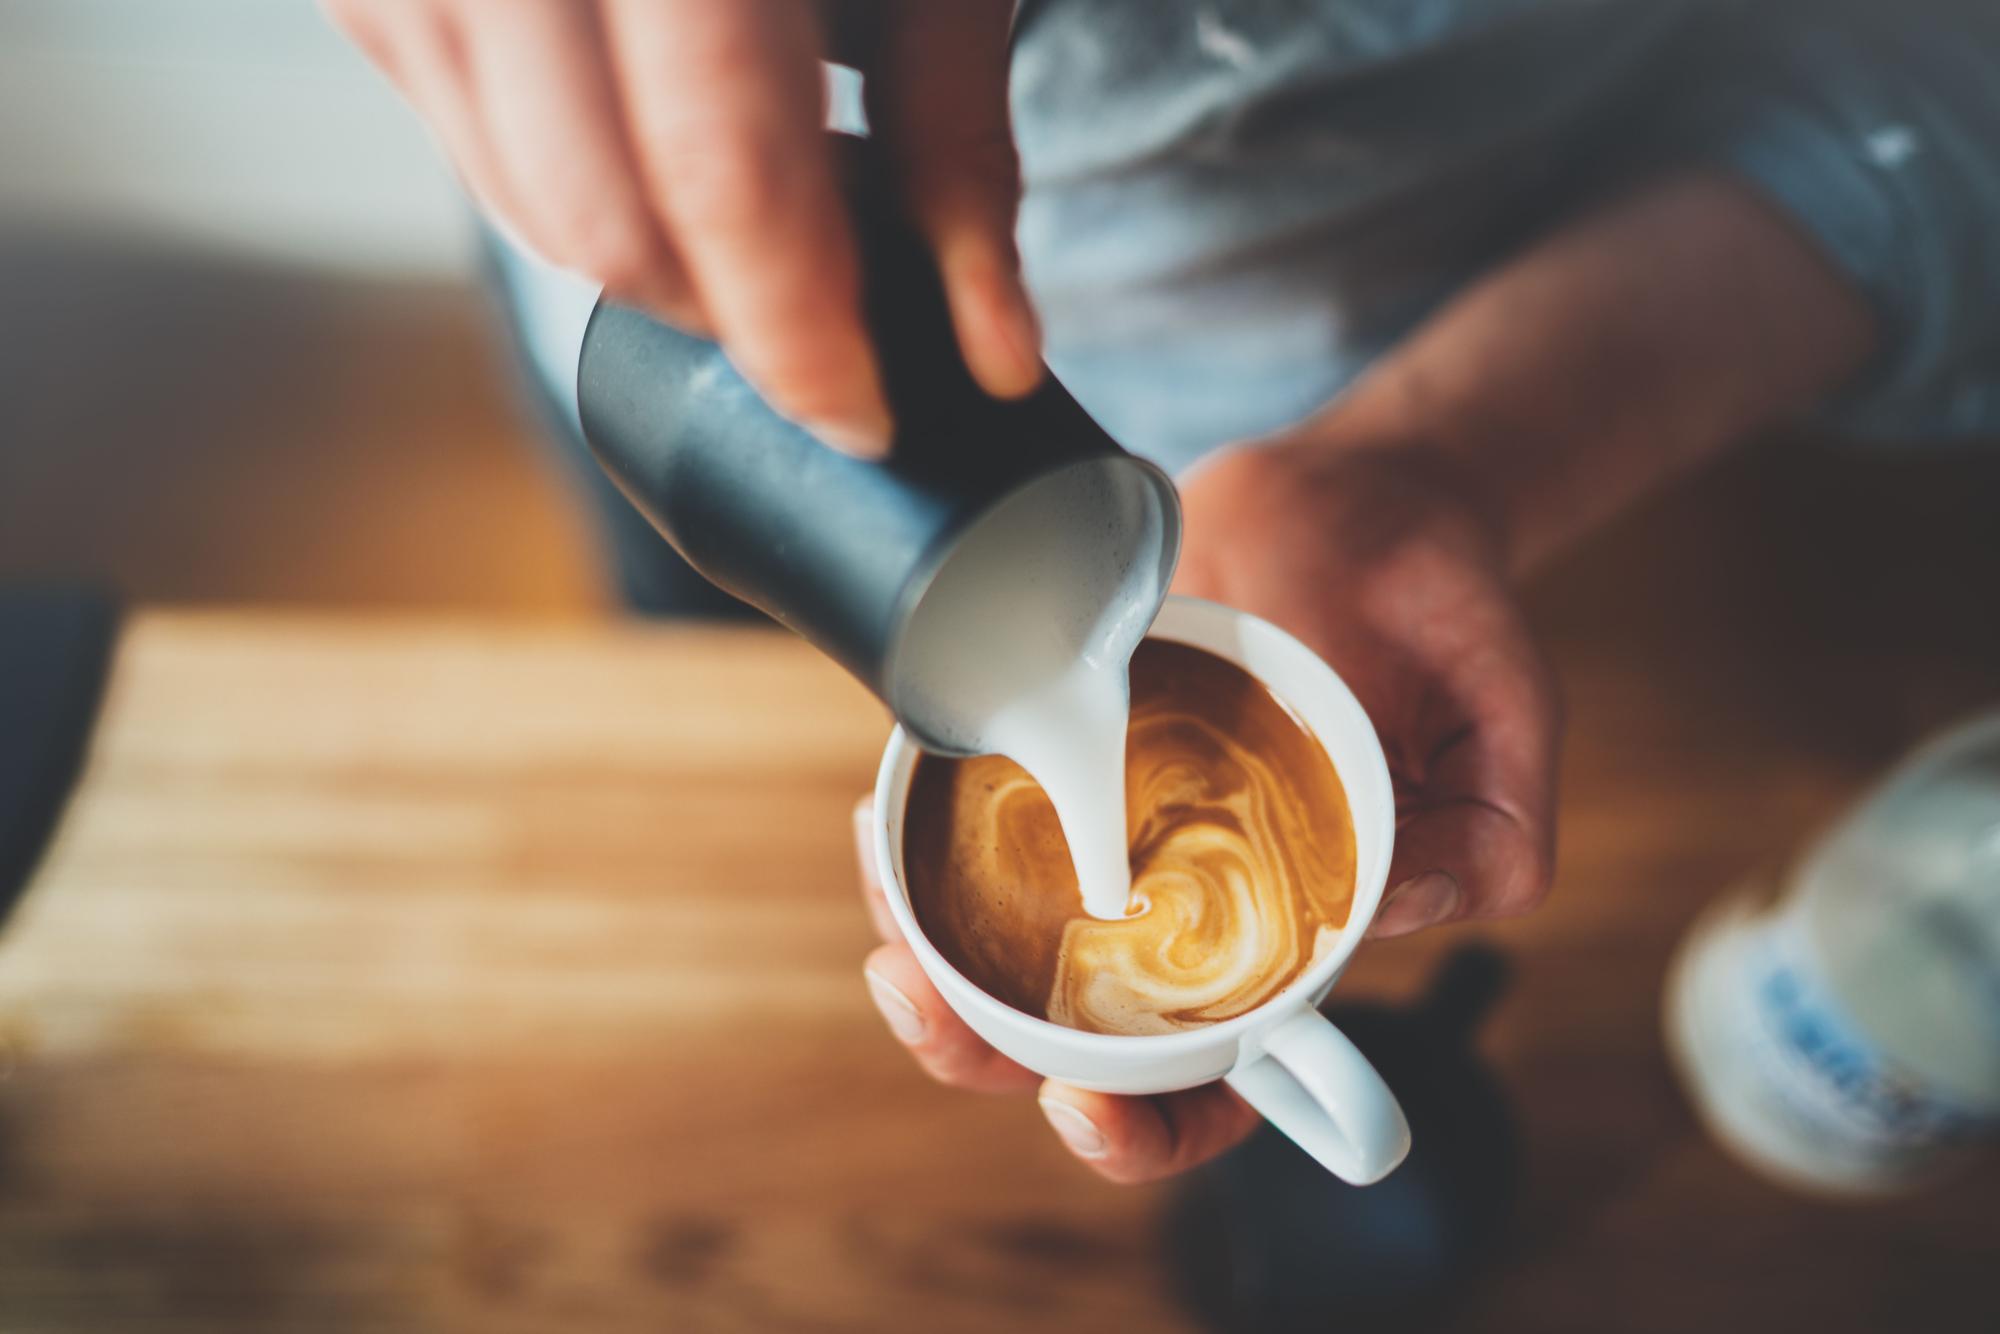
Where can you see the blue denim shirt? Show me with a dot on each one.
(1232, 206)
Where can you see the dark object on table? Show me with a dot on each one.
(55, 649)
(1265, 1239)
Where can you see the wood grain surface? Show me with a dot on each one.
(410, 974)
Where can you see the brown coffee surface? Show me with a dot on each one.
(1242, 854)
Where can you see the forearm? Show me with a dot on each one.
(1619, 350)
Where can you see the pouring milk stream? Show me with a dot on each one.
(1020, 648)
(989, 583)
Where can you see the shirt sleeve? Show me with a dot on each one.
(1876, 127)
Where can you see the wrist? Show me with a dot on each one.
(1629, 345)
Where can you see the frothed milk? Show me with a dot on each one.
(1070, 736)
(1020, 648)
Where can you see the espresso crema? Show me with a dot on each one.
(1242, 856)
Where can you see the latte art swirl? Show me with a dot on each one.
(1242, 862)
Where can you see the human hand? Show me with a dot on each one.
(675, 151)
(1378, 563)
(1124, 1139)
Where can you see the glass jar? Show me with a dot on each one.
(1846, 1037)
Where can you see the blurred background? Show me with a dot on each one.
(244, 353)
(369, 982)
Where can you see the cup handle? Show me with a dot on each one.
(1317, 1087)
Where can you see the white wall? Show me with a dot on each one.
(246, 125)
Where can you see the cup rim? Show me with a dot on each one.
(1209, 626)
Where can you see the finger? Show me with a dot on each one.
(1422, 892)
(871, 876)
(548, 102)
(1143, 1139)
(726, 107)
(948, 1050)
(361, 22)
(938, 100)
(1479, 838)
(422, 50)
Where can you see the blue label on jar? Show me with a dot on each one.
(1833, 1081)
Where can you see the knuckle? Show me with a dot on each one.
(622, 262)
(1528, 886)
(1122, 1170)
(726, 187)
(951, 1063)
(807, 377)
(807, 395)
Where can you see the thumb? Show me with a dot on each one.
(937, 99)
(1460, 859)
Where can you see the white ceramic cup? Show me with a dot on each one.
(1283, 1057)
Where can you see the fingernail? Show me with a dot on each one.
(1075, 1129)
(905, 1020)
(861, 440)
(1421, 901)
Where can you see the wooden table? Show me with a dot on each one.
(401, 974)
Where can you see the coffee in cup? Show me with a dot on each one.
(1282, 1056)
(1242, 854)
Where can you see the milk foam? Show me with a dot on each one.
(1242, 884)
(1070, 736)
(1021, 643)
